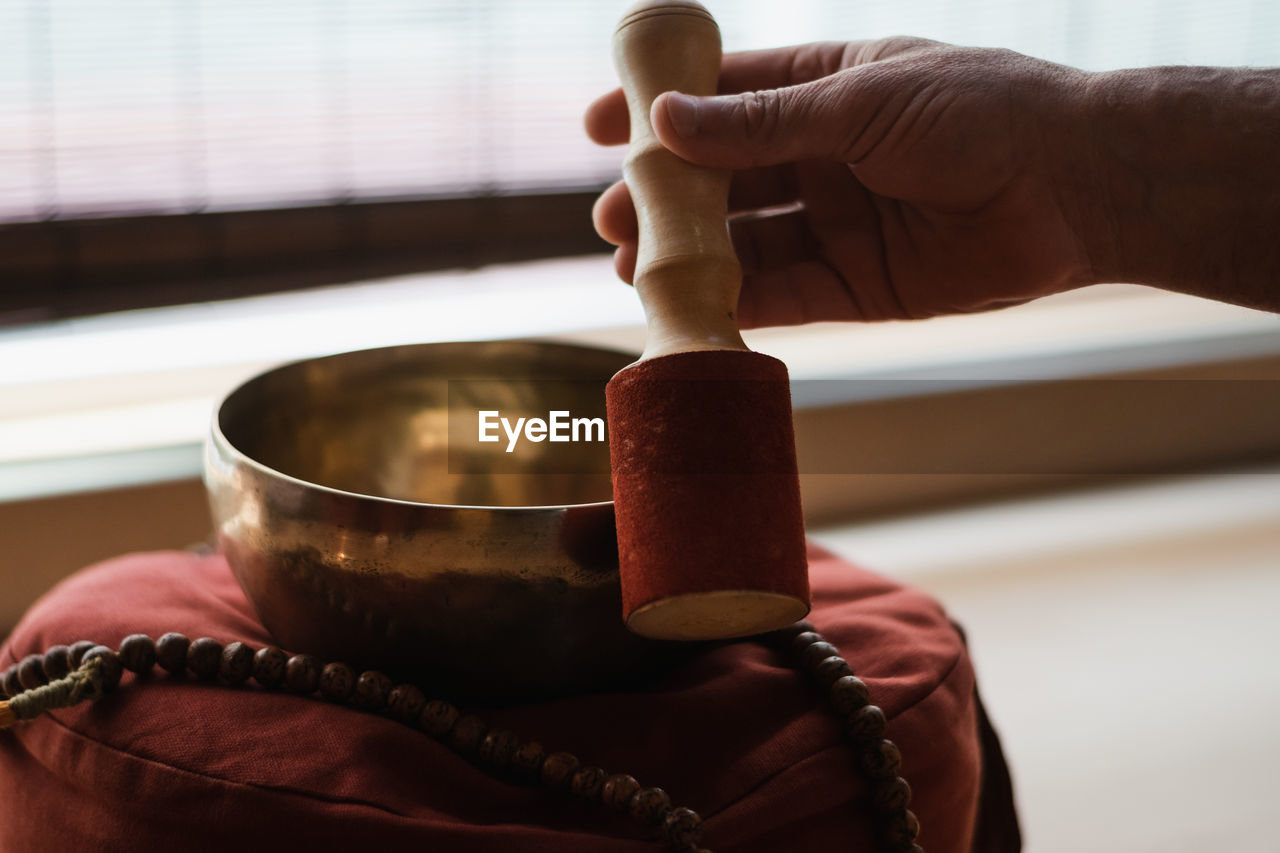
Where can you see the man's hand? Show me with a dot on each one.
(922, 178)
(919, 178)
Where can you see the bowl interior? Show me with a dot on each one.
(404, 422)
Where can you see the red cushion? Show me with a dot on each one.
(735, 734)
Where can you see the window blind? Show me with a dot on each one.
(114, 107)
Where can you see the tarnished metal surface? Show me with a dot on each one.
(330, 486)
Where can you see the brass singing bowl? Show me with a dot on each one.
(366, 522)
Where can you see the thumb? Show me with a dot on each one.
(820, 119)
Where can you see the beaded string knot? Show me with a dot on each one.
(67, 675)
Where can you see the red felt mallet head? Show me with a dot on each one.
(710, 532)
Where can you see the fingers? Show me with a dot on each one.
(763, 128)
(624, 262)
(829, 101)
(794, 275)
(751, 190)
(607, 123)
(808, 291)
(606, 120)
(749, 70)
(759, 243)
(772, 242)
(614, 215)
(825, 262)
(800, 117)
(787, 277)
(804, 289)
(615, 220)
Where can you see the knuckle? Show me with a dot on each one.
(891, 46)
(760, 114)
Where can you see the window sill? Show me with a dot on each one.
(124, 399)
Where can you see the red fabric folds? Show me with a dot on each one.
(736, 734)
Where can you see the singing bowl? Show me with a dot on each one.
(366, 522)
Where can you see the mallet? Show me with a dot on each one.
(707, 498)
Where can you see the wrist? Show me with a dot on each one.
(1184, 190)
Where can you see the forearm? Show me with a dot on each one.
(1187, 169)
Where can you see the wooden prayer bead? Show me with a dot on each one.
(558, 770)
(901, 828)
(171, 653)
(269, 665)
(587, 782)
(57, 662)
(804, 640)
(848, 693)
(337, 682)
(111, 668)
(866, 724)
(648, 806)
(31, 672)
(372, 688)
(302, 674)
(10, 683)
(78, 650)
(237, 663)
(527, 760)
(617, 791)
(881, 761)
(831, 669)
(467, 734)
(438, 718)
(890, 795)
(137, 653)
(204, 658)
(797, 628)
(405, 703)
(682, 829)
(498, 748)
(816, 653)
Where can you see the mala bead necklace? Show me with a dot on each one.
(67, 675)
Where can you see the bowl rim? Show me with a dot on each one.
(217, 443)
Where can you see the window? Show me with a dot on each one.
(182, 106)
(169, 151)
(157, 151)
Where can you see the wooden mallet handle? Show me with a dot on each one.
(687, 274)
(702, 449)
